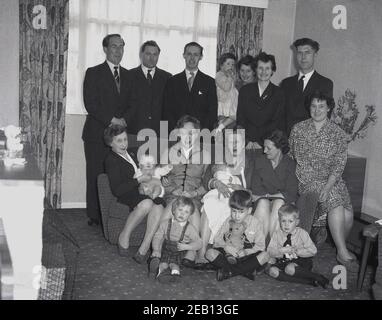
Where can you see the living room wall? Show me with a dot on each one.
(9, 63)
(352, 58)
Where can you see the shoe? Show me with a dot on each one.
(124, 252)
(322, 281)
(249, 276)
(165, 276)
(223, 274)
(175, 278)
(93, 221)
(141, 258)
(153, 266)
(351, 265)
(188, 263)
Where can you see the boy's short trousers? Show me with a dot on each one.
(306, 263)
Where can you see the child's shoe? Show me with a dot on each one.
(223, 274)
(249, 276)
(231, 259)
(175, 276)
(165, 276)
(321, 281)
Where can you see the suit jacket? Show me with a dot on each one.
(260, 115)
(201, 102)
(295, 102)
(102, 100)
(121, 175)
(146, 100)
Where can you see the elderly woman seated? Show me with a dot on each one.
(121, 167)
(274, 180)
(319, 147)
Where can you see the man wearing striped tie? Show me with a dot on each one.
(105, 93)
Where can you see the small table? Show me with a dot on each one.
(22, 206)
(370, 232)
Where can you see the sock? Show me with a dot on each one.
(288, 278)
(175, 271)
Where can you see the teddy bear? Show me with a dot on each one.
(235, 238)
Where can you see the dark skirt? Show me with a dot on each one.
(132, 198)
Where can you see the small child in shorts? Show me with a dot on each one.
(291, 250)
(173, 237)
(249, 254)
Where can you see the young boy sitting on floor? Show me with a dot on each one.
(291, 251)
(173, 237)
(249, 255)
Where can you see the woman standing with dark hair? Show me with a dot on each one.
(246, 71)
(274, 181)
(261, 104)
(319, 147)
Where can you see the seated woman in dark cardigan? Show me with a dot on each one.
(274, 180)
(120, 166)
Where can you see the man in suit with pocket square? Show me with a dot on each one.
(191, 92)
(105, 93)
(301, 85)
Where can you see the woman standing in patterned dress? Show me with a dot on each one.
(320, 149)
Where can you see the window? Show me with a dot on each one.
(171, 23)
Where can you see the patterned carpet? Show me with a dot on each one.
(103, 274)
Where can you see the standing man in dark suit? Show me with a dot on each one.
(146, 93)
(191, 92)
(301, 85)
(105, 98)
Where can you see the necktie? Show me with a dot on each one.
(149, 76)
(190, 80)
(300, 84)
(288, 241)
(116, 76)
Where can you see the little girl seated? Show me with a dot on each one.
(249, 253)
(173, 237)
(152, 188)
(291, 251)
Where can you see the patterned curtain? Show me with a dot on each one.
(43, 59)
(240, 30)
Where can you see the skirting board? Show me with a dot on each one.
(73, 205)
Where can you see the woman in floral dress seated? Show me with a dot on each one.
(319, 147)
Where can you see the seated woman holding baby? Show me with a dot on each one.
(234, 174)
(189, 165)
(132, 186)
